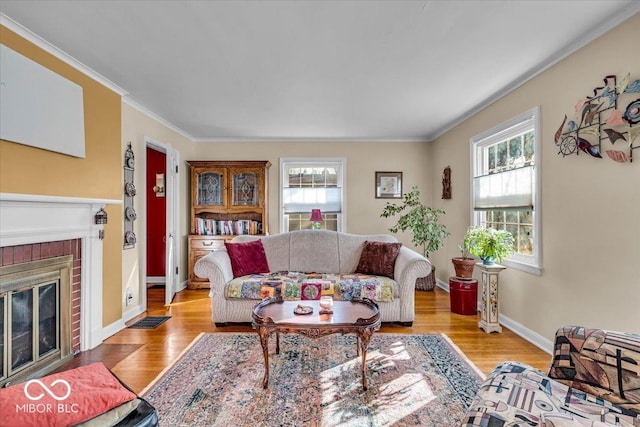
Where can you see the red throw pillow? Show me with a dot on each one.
(63, 399)
(247, 258)
(378, 258)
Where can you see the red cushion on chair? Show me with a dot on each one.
(378, 258)
(63, 399)
(247, 258)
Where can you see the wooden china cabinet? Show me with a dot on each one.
(228, 198)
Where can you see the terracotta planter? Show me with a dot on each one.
(463, 267)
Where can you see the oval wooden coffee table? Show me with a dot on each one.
(274, 315)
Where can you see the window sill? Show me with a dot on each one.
(527, 268)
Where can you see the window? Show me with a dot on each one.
(505, 186)
(312, 184)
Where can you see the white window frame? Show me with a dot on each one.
(340, 162)
(515, 126)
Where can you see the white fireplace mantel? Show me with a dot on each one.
(28, 218)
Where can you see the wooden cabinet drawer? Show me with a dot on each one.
(207, 243)
(200, 246)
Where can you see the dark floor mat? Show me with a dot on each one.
(150, 322)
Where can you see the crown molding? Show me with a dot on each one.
(573, 47)
(130, 102)
(247, 139)
(58, 53)
(309, 139)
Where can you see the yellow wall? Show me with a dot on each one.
(590, 207)
(31, 170)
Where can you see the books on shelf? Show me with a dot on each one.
(212, 227)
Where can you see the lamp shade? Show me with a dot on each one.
(316, 215)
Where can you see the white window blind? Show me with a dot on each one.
(303, 199)
(510, 189)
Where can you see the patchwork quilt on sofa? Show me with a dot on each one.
(293, 285)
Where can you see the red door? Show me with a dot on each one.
(156, 215)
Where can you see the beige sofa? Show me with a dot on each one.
(319, 251)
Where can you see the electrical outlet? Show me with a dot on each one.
(129, 296)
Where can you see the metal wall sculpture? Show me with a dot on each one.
(605, 122)
(129, 193)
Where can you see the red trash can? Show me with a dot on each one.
(463, 295)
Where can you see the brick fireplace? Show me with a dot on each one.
(38, 232)
(22, 254)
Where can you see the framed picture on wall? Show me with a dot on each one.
(388, 185)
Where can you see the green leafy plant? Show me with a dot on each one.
(422, 221)
(489, 244)
(465, 250)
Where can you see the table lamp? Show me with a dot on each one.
(316, 219)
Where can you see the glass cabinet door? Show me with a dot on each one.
(210, 190)
(245, 188)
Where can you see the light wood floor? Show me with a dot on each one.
(137, 356)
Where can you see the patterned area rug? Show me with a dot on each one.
(413, 380)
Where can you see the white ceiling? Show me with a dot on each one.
(345, 70)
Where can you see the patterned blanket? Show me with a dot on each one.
(293, 285)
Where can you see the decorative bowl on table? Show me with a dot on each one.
(303, 309)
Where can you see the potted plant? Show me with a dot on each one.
(489, 244)
(423, 222)
(463, 265)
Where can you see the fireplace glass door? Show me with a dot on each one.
(48, 333)
(2, 346)
(33, 331)
(21, 332)
(35, 318)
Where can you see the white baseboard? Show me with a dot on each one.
(119, 325)
(442, 285)
(534, 338)
(156, 279)
(113, 329)
(131, 313)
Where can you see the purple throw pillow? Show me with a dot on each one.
(378, 258)
(247, 258)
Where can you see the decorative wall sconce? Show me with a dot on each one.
(101, 216)
(159, 187)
